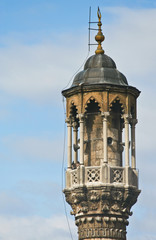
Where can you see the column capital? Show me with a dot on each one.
(69, 121)
(81, 117)
(75, 125)
(127, 117)
(133, 122)
(105, 115)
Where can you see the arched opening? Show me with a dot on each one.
(74, 113)
(116, 124)
(92, 107)
(93, 147)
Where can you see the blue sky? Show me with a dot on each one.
(42, 44)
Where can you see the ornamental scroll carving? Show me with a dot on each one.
(93, 198)
(101, 212)
(103, 200)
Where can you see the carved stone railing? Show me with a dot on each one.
(92, 175)
(96, 176)
(117, 175)
(75, 177)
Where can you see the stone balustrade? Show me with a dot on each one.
(101, 175)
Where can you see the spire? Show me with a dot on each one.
(99, 37)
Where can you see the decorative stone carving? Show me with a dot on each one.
(94, 232)
(105, 195)
(115, 207)
(77, 197)
(93, 175)
(84, 207)
(117, 195)
(118, 175)
(74, 178)
(98, 219)
(105, 206)
(93, 198)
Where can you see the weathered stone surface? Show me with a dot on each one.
(102, 212)
(102, 185)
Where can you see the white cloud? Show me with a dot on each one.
(10, 204)
(35, 227)
(37, 72)
(131, 39)
(32, 228)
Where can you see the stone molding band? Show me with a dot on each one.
(101, 232)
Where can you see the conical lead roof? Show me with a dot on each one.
(100, 69)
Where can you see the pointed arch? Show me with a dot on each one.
(73, 111)
(92, 105)
(118, 101)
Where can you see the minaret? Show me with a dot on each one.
(101, 177)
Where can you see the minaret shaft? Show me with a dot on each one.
(101, 180)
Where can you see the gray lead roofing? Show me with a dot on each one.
(100, 69)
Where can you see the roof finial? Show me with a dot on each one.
(99, 37)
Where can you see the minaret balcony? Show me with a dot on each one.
(90, 176)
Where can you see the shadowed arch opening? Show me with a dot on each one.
(74, 112)
(93, 133)
(116, 111)
(92, 106)
(116, 128)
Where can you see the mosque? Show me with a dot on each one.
(101, 176)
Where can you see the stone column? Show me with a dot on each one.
(105, 150)
(75, 128)
(126, 122)
(133, 155)
(69, 126)
(81, 121)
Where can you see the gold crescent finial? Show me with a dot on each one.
(99, 37)
(99, 14)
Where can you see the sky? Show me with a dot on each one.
(43, 43)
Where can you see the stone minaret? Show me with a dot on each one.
(101, 178)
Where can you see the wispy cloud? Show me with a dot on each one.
(130, 39)
(31, 198)
(35, 228)
(37, 72)
(13, 205)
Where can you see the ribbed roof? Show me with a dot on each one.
(100, 69)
